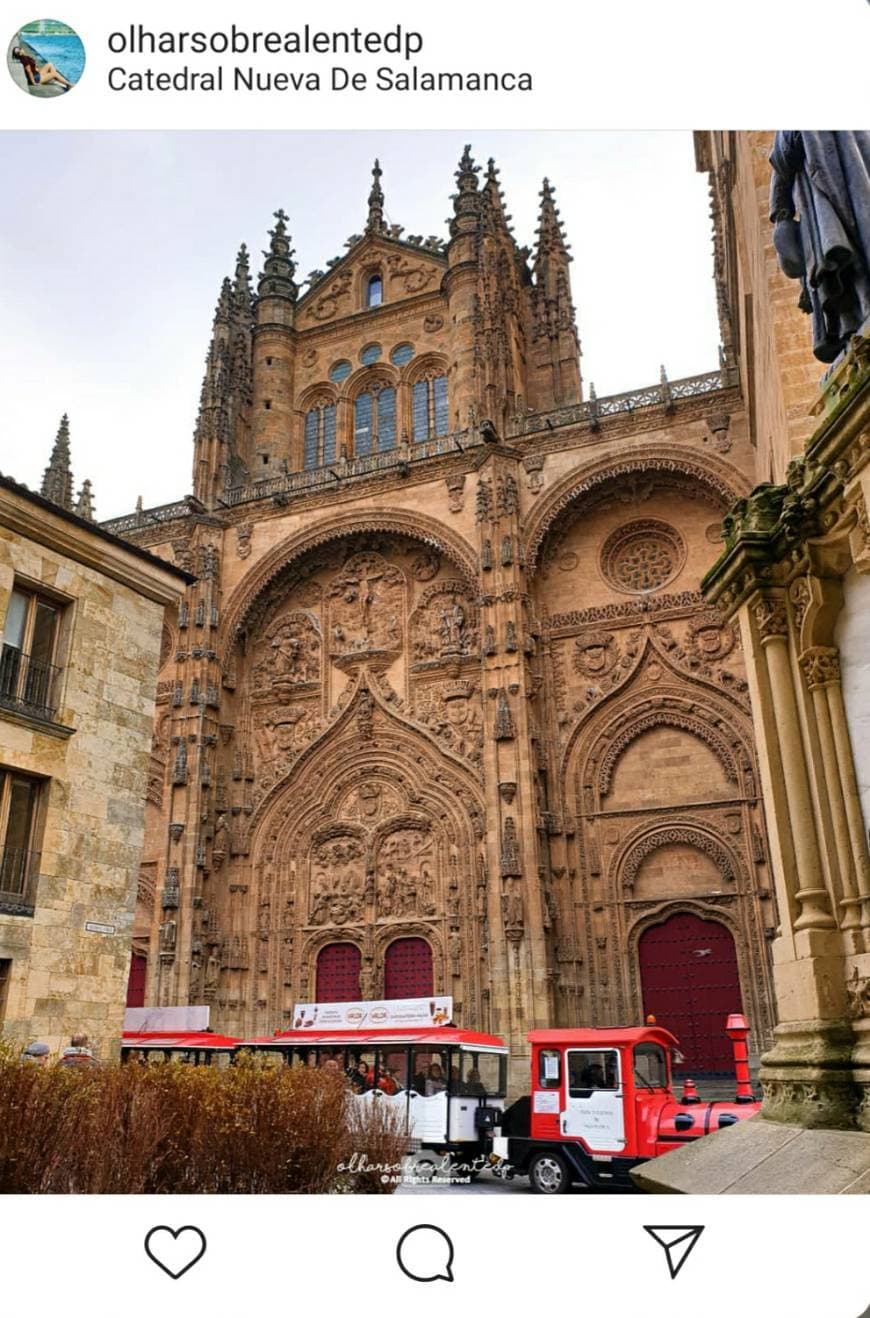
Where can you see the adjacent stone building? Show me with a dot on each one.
(82, 618)
(446, 710)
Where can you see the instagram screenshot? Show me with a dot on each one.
(435, 658)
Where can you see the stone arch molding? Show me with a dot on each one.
(605, 730)
(720, 480)
(626, 865)
(415, 526)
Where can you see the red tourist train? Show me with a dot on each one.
(601, 1100)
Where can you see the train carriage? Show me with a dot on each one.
(448, 1085)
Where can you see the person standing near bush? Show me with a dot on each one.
(79, 1052)
(37, 1053)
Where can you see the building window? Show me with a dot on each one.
(320, 435)
(19, 861)
(5, 977)
(339, 371)
(374, 291)
(408, 969)
(28, 672)
(430, 407)
(374, 421)
(402, 354)
(370, 354)
(338, 967)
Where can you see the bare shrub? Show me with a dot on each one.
(175, 1129)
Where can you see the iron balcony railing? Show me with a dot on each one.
(26, 685)
(18, 876)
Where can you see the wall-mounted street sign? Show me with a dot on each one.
(91, 927)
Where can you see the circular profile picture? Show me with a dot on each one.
(46, 58)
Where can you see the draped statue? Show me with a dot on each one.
(820, 209)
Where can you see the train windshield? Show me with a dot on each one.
(483, 1075)
(650, 1066)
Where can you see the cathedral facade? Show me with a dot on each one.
(446, 711)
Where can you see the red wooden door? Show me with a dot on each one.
(408, 969)
(338, 966)
(136, 981)
(690, 983)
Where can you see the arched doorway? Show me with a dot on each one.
(690, 983)
(408, 969)
(338, 967)
(136, 980)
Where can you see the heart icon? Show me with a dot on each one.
(175, 1251)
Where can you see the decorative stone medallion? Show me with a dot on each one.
(642, 556)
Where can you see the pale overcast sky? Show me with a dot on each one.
(113, 247)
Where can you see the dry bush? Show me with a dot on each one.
(245, 1129)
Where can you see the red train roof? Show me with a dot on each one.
(605, 1036)
(177, 1039)
(446, 1036)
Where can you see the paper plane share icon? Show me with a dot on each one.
(677, 1242)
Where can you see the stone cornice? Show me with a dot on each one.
(91, 547)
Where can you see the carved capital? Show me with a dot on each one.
(771, 619)
(820, 665)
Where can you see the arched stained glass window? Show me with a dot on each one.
(374, 420)
(319, 435)
(431, 416)
(374, 291)
(338, 966)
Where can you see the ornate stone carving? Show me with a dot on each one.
(709, 637)
(338, 880)
(288, 656)
(327, 304)
(771, 619)
(483, 500)
(244, 531)
(444, 624)
(717, 425)
(426, 565)
(412, 278)
(453, 715)
(858, 995)
(820, 666)
(692, 837)
(509, 854)
(595, 654)
(432, 324)
(616, 746)
(642, 556)
(504, 724)
(366, 608)
(405, 876)
(455, 492)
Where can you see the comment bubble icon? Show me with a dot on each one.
(425, 1253)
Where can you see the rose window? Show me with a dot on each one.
(642, 556)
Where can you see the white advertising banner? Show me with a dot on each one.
(144, 1020)
(395, 1013)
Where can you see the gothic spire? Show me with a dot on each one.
(551, 233)
(376, 222)
(242, 294)
(224, 309)
(466, 200)
(494, 196)
(85, 502)
(279, 266)
(57, 481)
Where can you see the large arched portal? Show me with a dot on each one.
(690, 983)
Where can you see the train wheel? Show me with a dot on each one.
(549, 1174)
